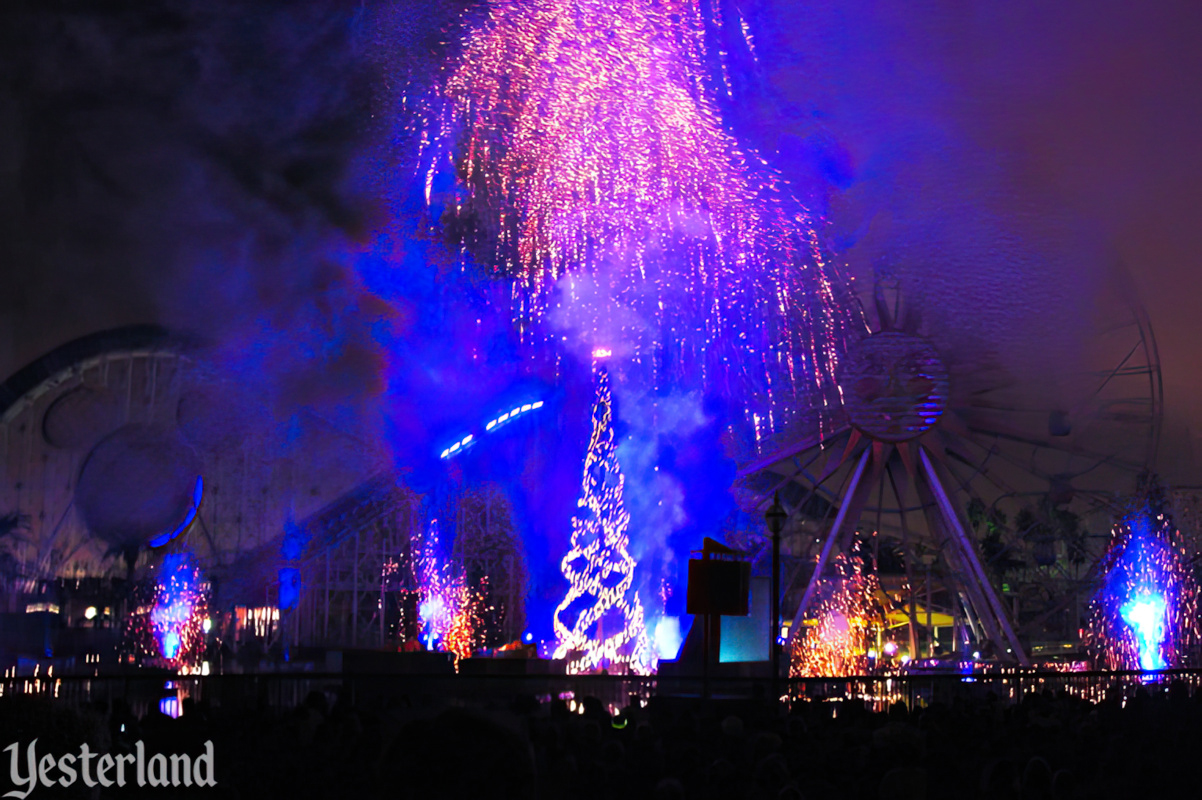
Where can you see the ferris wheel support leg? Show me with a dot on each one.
(966, 608)
(961, 570)
(908, 557)
(827, 546)
(969, 554)
(990, 626)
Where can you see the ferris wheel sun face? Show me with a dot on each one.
(894, 385)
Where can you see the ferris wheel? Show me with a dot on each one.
(992, 493)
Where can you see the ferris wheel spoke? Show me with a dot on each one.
(1137, 371)
(957, 448)
(1122, 364)
(853, 490)
(1045, 445)
(767, 496)
(791, 451)
(990, 452)
(818, 482)
(821, 524)
(964, 484)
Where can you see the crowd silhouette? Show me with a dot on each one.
(1046, 747)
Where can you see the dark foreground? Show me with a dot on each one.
(1044, 747)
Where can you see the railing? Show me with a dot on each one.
(142, 691)
(1007, 686)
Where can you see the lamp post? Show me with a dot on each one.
(775, 517)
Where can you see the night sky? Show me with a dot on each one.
(160, 162)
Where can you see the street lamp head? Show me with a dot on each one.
(776, 516)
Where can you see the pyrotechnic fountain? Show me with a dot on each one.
(1145, 615)
(846, 619)
(168, 627)
(448, 608)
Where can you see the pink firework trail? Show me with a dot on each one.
(594, 170)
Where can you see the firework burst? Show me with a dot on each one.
(593, 168)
